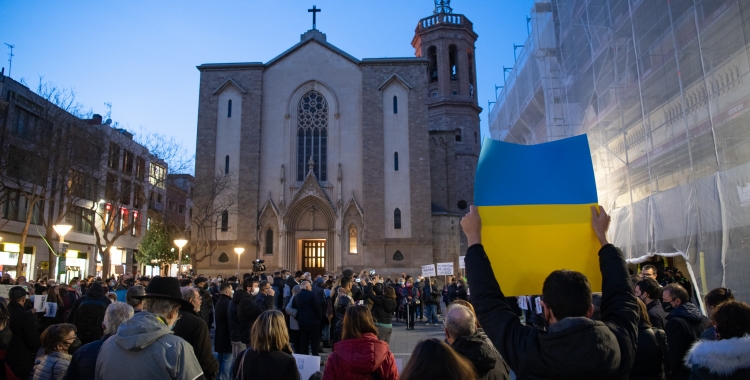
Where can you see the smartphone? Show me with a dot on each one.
(372, 272)
(358, 280)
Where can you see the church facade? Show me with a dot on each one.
(339, 162)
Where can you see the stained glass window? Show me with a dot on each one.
(312, 135)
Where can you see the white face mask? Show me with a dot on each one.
(255, 291)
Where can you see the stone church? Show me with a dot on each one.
(342, 162)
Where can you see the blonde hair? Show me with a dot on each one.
(269, 333)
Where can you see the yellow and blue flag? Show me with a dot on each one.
(535, 203)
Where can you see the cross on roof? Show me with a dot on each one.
(314, 10)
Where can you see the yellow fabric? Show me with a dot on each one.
(526, 243)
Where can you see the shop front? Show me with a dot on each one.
(74, 264)
(9, 260)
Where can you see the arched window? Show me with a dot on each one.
(397, 219)
(398, 256)
(223, 258)
(395, 104)
(229, 108)
(226, 164)
(432, 68)
(269, 241)
(225, 221)
(312, 135)
(453, 62)
(353, 240)
(395, 160)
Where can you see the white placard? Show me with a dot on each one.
(538, 305)
(307, 365)
(461, 264)
(39, 301)
(522, 303)
(4, 289)
(428, 270)
(445, 269)
(51, 309)
(744, 193)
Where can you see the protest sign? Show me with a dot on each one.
(428, 270)
(307, 365)
(461, 264)
(4, 289)
(51, 309)
(445, 269)
(39, 301)
(535, 202)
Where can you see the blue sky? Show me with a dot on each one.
(140, 56)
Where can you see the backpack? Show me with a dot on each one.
(661, 338)
(88, 320)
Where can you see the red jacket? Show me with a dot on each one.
(354, 359)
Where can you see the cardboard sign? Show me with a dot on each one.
(428, 270)
(445, 269)
(461, 264)
(307, 365)
(39, 301)
(535, 203)
(4, 289)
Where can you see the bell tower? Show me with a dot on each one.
(447, 40)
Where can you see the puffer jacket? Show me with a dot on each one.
(52, 366)
(364, 358)
(684, 326)
(720, 360)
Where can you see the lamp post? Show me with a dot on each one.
(61, 230)
(239, 251)
(179, 243)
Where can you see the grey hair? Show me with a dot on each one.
(460, 321)
(188, 292)
(116, 314)
(137, 290)
(296, 289)
(159, 306)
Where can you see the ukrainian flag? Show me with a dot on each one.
(535, 203)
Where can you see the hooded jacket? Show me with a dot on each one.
(656, 314)
(720, 359)
(360, 358)
(572, 348)
(194, 330)
(145, 348)
(487, 362)
(684, 326)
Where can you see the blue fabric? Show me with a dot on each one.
(83, 364)
(431, 312)
(225, 365)
(121, 295)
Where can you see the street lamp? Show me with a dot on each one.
(239, 251)
(179, 243)
(61, 230)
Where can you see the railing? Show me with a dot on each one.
(444, 18)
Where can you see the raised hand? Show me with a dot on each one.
(600, 223)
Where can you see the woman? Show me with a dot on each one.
(729, 356)
(5, 337)
(56, 341)
(649, 359)
(383, 305)
(435, 360)
(360, 354)
(461, 290)
(713, 299)
(269, 355)
(293, 324)
(410, 296)
(53, 297)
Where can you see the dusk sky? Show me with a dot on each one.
(140, 56)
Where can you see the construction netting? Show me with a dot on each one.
(663, 92)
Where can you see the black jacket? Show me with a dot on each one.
(309, 312)
(320, 296)
(278, 282)
(648, 358)
(382, 307)
(573, 348)
(25, 342)
(684, 326)
(194, 330)
(488, 363)
(248, 309)
(206, 305)
(83, 364)
(656, 314)
(222, 338)
(431, 294)
(726, 359)
(277, 365)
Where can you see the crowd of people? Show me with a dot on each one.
(161, 327)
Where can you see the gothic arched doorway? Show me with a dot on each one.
(310, 234)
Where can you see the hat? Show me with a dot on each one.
(319, 280)
(199, 280)
(348, 273)
(17, 292)
(166, 288)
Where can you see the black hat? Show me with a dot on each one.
(166, 288)
(199, 280)
(17, 292)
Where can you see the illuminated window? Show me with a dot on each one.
(352, 240)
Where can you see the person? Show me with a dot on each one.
(88, 313)
(343, 301)
(431, 300)
(293, 324)
(648, 291)
(278, 287)
(419, 284)
(461, 334)
(729, 356)
(649, 357)
(191, 327)
(83, 364)
(461, 290)
(144, 281)
(433, 359)
(23, 325)
(206, 311)
(360, 354)
(136, 304)
(144, 346)
(308, 317)
(685, 283)
(383, 305)
(668, 277)
(56, 340)
(222, 335)
(269, 355)
(574, 346)
(235, 327)
(713, 299)
(320, 296)
(684, 326)
(648, 271)
(410, 298)
(246, 310)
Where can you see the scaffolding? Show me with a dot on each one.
(659, 87)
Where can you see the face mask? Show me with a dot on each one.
(74, 346)
(417, 281)
(205, 286)
(112, 283)
(286, 277)
(400, 282)
(255, 291)
(75, 286)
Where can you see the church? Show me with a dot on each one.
(339, 162)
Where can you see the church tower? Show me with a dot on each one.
(447, 41)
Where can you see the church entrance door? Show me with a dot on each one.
(313, 256)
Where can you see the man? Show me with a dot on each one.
(201, 284)
(344, 299)
(291, 282)
(308, 317)
(194, 330)
(235, 327)
(668, 277)
(419, 284)
(144, 346)
(685, 323)
(25, 341)
(278, 290)
(648, 290)
(461, 334)
(88, 314)
(431, 300)
(133, 292)
(144, 281)
(648, 271)
(69, 298)
(222, 338)
(83, 364)
(251, 302)
(574, 346)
